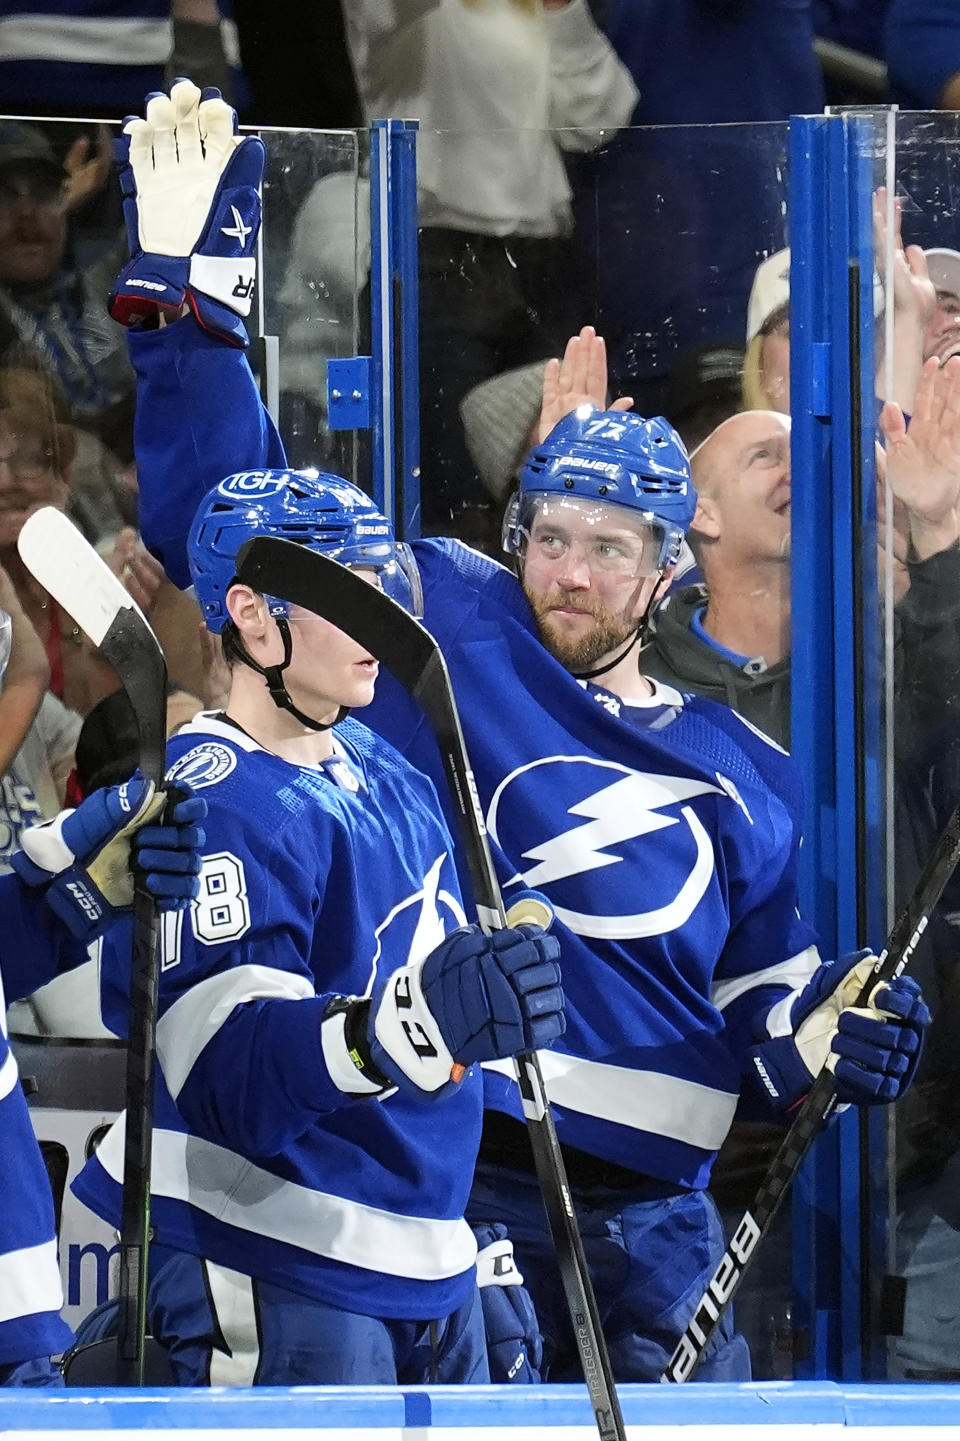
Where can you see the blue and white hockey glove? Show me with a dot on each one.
(84, 858)
(474, 998)
(514, 1342)
(873, 1050)
(192, 206)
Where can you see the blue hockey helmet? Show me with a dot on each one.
(611, 457)
(321, 511)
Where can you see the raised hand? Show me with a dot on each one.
(923, 457)
(580, 378)
(135, 566)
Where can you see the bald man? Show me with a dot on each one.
(729, 638)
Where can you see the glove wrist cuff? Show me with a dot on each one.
(343, 1038)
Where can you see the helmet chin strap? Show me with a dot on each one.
(273, 675)
(602, 669)
(637, 636)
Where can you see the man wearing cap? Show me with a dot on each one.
(51, 314)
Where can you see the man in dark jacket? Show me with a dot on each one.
(729, 638)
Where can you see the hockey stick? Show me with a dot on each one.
(55, 552)
(814, 1112)
(373, 620)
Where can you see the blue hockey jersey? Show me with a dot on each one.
(310, 889)
(665, 840)
(665, 837)
(36, 947)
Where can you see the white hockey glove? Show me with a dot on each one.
(84, 858)
(192, 207)
(473, 998)
(873, 1050)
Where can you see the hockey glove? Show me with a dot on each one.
(83, 857)
(191, 203)
(474, 998)
(514, 1343)
(872, 1050)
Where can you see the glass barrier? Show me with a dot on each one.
(66, 424)
(656, 237)
(652, 235)
(925, 750)
(316, 258)
(64, 364)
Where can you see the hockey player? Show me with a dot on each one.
(71, 884)
(308, 1204)
(663, 829)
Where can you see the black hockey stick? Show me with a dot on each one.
(814, 1112)
(373, 620)
(82, 583)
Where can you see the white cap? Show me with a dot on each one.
(770, 291)
(944, 268)
(771, 288)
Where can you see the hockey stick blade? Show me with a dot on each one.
(392, 636)
(82, 583)
(813, 1114)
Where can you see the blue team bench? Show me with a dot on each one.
(488, 1413)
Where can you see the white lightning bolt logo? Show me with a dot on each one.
(239, 231)
(620, 812)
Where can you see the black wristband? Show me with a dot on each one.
(356, 1014)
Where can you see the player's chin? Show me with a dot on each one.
(361, 692)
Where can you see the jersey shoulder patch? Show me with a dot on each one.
(203, 765)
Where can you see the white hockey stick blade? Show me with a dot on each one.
(63, 561)
(82, 583)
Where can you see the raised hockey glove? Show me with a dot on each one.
(514, 1342)
(191, 202)
(873, 1050)
(474, 998)
(83, 858)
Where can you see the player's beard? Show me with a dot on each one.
(578, 653)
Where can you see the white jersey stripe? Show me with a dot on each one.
(196, 1017)
(9, 1075)
(85, 40)
(231, 1298)
(794, 972)
(240, 1195)
(643, 1100)
(30, 1282)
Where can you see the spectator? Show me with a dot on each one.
(500, 417)
(942, 334)
(100, 57)
(501, 90)
(52, 315)
(920, 323)
(703, 389)
(730, 638)
(673, 261)
(766, 369)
